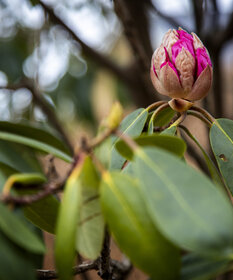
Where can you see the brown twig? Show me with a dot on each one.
(105, 271)
(52, 274)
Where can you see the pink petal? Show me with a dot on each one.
(167, 60)
(203, 60)
(185, 41)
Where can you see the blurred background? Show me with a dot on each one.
(75, 58)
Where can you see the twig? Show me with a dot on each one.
(128, 140)
(199, 116)
(99, 139)
(204, 113)
(124, 11)
(50, 188)
(105, 260)
(167, 18)
(198, 14)
(52, 274)
(155, 105)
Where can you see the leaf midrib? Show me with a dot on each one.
(174, 191)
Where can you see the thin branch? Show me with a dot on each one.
(171, 20)
(24, 200)
(141, 69)
(88, 51)
(120, 269)
(105, 261)
(198, 14)
(52, 274)
(48, 188)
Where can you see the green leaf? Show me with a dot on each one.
(66, 228)
(134, 231)
(41, 146)
(210, 165)
(195, 267)
(221, 139)
(187, 207)
(42, 213)
(169, 131)
(90, 232)
(132, 125)
(24, 179)
(16, 230)
(16, 263)
(163, 118)
(172, 144)
(18, 157)
(36, 133)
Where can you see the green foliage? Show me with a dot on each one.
(221, 139)
(187, 207)
(132, 125)
(195, 267)
(172, 144)
(90, 231)
(36, 138)
(133, 229)
(163, 118)
(17, 231)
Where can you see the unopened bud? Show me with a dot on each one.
(181, 66)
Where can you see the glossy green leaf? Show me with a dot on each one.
(134, 231)
(41, 146)
(169, 131)
(42, 213)
(221, 139)
(18, 157)
(172, 144)
(36, 133)
(16, 263)
(210, 165)
(16, 230)
(187, 207)
(195, 267)
(90, 232)
(162, 119)
(132, 125)
(66, 228)
(24, 179)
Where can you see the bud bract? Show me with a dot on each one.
(181, 66)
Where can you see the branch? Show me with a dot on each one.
(88, 51)
(169, 19)
(50, 188)
(52, 274)
(43, 105)
(198, 14)
(121, 269)
(141, 70)
(105, 266)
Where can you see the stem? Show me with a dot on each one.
(201, 117)
(128, 140)
(52, 274)
(158, 110)
(180, 119)
(99, 139)
(105, 260)
(155, 105)
(204, 113)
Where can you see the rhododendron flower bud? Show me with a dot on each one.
(181, 66)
